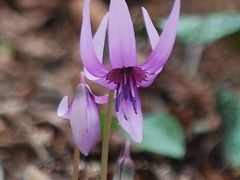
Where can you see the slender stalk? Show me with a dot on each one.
(76, 160)
(193, 55)
(106, 137)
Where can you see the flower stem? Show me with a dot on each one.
(106, 137)
(76, 159)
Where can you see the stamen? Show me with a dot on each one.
(134, 103)
(126, 90)
(118, 88)
(125, 85)
(118, 98)
(127, 80)
(132, 88)
(117, 102)
(132, 93)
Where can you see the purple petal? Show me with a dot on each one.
(98, 99)
(150, 78)
(101, 99)
(106, 83)
(63, 110)
(162, 51)
(151, 30)
(122, 45)
(129, 120)
(89, 75)
(84, 120)
(88, 54)
(101, 81)
(99, 38)
(98, 42)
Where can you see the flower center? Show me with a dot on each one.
(127, 80)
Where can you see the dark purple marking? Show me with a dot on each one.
(127, 80)
(125, 117)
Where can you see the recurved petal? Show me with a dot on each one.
(163, 49)
(101, 99)
(89, 75)
(121, 38)
(98, 99)
(87, 50)
(104, 82)
(99, 38)
(64, 109)
(101, 81)
(98, 42)
(150, 78)
(151, 30)
(84, 120)
(129, 120)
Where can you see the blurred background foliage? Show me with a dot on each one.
(192, 111)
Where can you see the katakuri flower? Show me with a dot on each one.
(83, 116)
(125, 76)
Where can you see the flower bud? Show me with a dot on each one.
(125, 167)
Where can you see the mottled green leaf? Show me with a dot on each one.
(163, 135)
(228, 105)
(196, 29)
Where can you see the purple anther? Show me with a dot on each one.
(117, 101)
(126, 90)
(134, 103)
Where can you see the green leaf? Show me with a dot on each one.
(200, 30)
(228, 105)
(163, 135)
(115, 125)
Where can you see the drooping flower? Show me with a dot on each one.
(83, 116)
(125, 76)
(125, 167)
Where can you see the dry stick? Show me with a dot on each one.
(76, 159)
(106, 137)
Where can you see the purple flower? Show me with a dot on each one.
(125, 76)
(83, 116)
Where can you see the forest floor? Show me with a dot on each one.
(40, 63)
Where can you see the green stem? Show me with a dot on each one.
(106, 137)
(76, 159)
